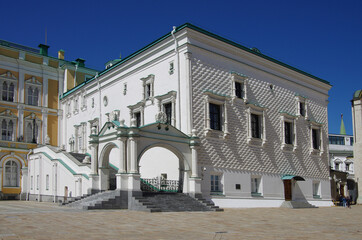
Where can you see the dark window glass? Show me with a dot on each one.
(148, 90)
(215, 116)
(5, 91)
(351, 141)
(30, 96)
(255, 126)
(138, 119)
(288, 132)
(11, 92)
(302, 109)
(168, 110)
(238, 90)
(35, 97)
(337, 140)
(3, 130)
(315, 138)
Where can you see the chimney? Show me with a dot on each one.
(43, 49)
(80, 62)
(61, 54)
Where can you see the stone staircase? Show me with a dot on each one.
(101, 200)
(297, 204)
(171, 202)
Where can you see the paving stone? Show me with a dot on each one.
(33, 220)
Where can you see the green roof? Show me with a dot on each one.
(200, 30)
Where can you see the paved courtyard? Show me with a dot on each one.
(33, 220)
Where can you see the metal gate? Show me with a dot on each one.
(160, 185)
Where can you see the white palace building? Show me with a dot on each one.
(195, 113)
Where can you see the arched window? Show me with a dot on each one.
(11, 178)
(11, 92)
(3, 129)
(30, 96)
(5, 91)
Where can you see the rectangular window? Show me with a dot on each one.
(337, 140)
(302, 109)
(148, 90)
(351, 141)
(288, 132)
(215, 116)
(215, 183)
(336, 166)
(255, 126)
(37, 182)
(316, 190)
(238, 89)
(168, 111)
(347, 167)
(47, 182)
(137, 116)
(315, 138)
(255, 186)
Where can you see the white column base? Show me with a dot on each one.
(194, 185)
(94, 181)
(122, 181)
(134, 182)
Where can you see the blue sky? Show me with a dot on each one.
(323, 38)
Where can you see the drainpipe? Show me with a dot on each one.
(100, 101)
(28, 183)
(178, 79)
(75, 75)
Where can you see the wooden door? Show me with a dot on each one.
(288, 190)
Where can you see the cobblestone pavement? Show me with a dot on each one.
(33, 220)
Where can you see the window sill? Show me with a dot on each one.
(256, 142)
(288, 147)
(217, 194)
(257, 195)
(212, 133)
(317, 197)
(315, 151)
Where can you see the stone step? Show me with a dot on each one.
(297, 204)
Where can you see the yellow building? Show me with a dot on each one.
(30, 85)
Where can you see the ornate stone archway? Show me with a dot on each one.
(132, 142)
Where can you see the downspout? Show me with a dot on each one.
(178, 79)
(100, 103)
(75, 75)
(28, 183)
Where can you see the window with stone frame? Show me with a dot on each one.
(32, 128)
(11, 174)
(33, 91)
(137, 112)
(256, 124)
(148, 87)
(167, 104)
(216, 124)
(316, 138)
(288, 132)
(238, 86)
(8, 84)
(8, 123)
(301, 109)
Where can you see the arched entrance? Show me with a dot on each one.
(161, 169)
(108, 167)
